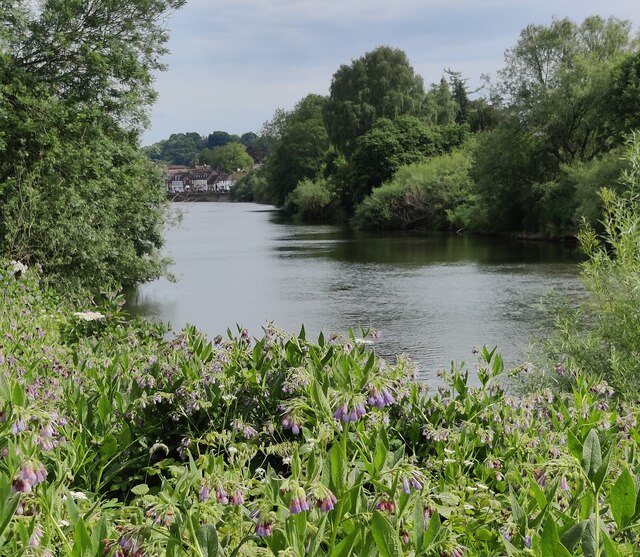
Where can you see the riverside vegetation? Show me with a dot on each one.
(118, 439)
(121, 438)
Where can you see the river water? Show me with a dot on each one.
(432, 296)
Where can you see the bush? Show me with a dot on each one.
(424, 194)
(602, 336)
(310, 201)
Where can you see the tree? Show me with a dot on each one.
(228, 158)
(556, 88)
(180, 148)
(77, 195)
(300, 150)
(440, 108)
(380, 84)
(391, 144)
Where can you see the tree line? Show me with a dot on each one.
(526, 154)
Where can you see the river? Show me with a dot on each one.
(432, 296)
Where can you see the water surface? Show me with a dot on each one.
(433, 296)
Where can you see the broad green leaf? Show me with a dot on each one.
(432, 530)
(550, 541)
(623, 499)
(517, 511)
(336, 460)
(82, 542)
(589, 538)
(610, 550)
(140, 489)
(208, 540)
(343, 549)
(591, 454)
(385, 536)
(9, 506)
(573, 535)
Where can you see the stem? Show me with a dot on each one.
(338, 515)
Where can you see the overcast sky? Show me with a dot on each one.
(233, 62)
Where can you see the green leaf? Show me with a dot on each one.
(591, 454)
(550, 541)
(517, 511)
(7, 510)
(385, 536)
(337, 468)
(610, 549)
(82, 542)
(207, 540)
(573, 535)
(382, 449)
(140, 489)
(432, 530)
(623, 499)
(343, 549)
(589, 538)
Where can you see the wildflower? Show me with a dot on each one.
(385, 504)
(36, 536)
(404, 537)
(19, 268)
(298, 501)
(564, 484)
(222, 496)
(204, 493)
(18, 426)
(89, 315)
(237, 498)
(264, 528)
(327, 503)
(289, 422)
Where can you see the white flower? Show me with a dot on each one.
(232, 450)
(19, 267)
(79, 496)
(89, 315)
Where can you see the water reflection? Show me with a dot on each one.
(433, 296)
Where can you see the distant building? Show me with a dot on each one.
(199, 179)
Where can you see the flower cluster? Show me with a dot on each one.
(380, 397)
(30, 475)
(344, 413)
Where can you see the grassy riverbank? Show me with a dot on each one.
(118, 440)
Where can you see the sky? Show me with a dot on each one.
(233, 62)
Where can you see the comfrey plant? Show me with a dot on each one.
(116, 439)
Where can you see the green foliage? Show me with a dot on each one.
(180, 148)
(380, 84)
(424, 194)
(391, 144)
(77, 196)
(557, 87)
(310, 201)
(301, 148)
(440, 108)
(119, 440)
(602, 336)
(251, 187)
(229, 157)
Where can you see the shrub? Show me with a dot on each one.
(311, 200)
(423, 194)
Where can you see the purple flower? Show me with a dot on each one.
(222, 496)
(327, 503)
(237, 498)
(405, 486)
(564, 485)
(264, 528)
(298, 502)
(36, 536)
(205, 492)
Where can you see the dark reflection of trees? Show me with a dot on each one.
(418, 249)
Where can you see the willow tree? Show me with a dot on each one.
(76, 82)
(380, 84)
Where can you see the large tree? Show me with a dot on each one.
(556, 91)
(301, 148)
(76, 194)
(380, 84)
(228, 157)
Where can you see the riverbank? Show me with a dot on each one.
(185, 446)
(210, 196)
